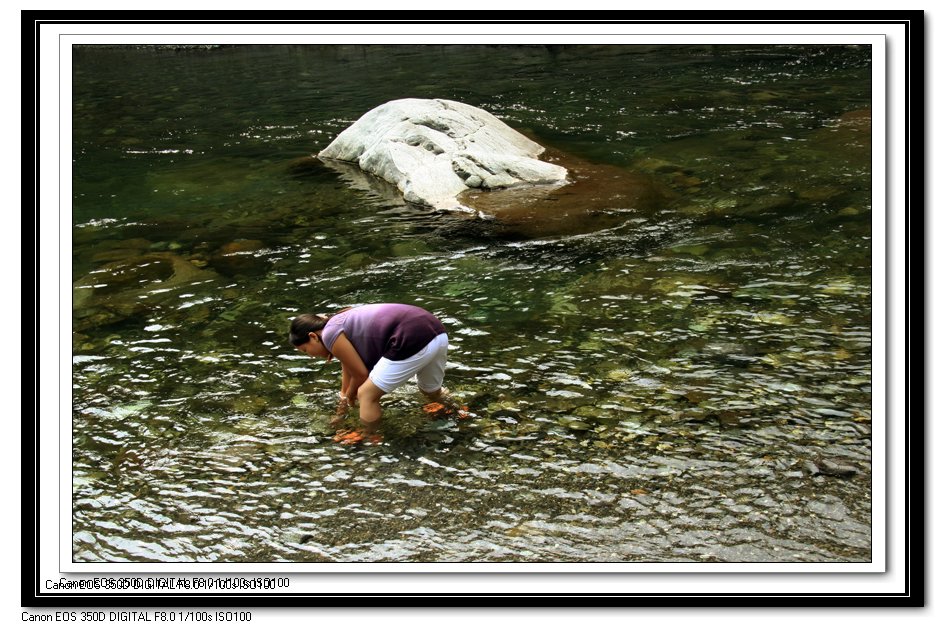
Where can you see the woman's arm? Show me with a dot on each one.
(345, 381)
(353, 371)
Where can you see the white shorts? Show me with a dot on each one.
(429, 365)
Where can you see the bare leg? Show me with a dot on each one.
(369, 399)
(439, 394)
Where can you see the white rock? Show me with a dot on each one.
(433, 150)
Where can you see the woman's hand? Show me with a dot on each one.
(341, 412)
(353, 371)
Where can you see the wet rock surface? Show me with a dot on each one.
(432, 150)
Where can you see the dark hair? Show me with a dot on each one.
(302, 325)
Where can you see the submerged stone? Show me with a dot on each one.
(130, 287)
(772, 317)
(619, 374)
(848, 138)
(833, 468)
(238, 257)
(599, 197)
(696, 250)
(576, 425)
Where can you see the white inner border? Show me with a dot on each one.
(55, 228)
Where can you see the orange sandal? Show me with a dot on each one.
(356, 437)
(348, 436)
(441, 409)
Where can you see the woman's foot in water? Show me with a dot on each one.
(443, 404)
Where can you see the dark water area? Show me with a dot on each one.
(682, 380)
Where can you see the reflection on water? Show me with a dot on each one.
(682, 379)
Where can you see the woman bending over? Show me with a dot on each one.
(380, 347)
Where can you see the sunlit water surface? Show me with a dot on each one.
(687, 382)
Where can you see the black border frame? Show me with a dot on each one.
(32, 593)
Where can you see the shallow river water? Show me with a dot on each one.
(682, 381)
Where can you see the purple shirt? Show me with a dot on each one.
(385, 330)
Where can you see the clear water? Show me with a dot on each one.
(668, 381)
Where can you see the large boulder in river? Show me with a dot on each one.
(433, 150)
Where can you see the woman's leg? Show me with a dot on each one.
(430, 376)
(386, 376)
(369, 400)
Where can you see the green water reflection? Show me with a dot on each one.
(673, 383)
